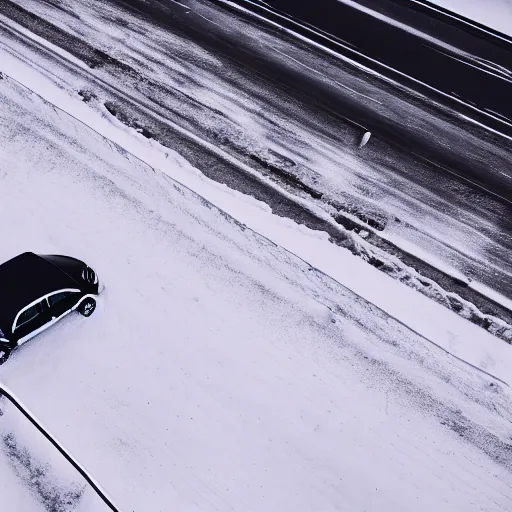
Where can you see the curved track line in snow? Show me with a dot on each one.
(401, 322)
(4, 391)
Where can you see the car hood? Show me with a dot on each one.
(71, 266)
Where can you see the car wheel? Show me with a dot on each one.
(87, 307)
(4, 354)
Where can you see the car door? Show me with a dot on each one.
(30, 320)
(62, 302)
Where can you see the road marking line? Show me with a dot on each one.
(179, 3)
(205, 18)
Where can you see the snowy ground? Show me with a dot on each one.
(34, 476)
(221, 371)
(237, 360)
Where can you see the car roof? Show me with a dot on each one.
(24, 279)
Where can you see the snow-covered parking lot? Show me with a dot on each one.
(221, 371)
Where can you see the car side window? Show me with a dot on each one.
(61, 302)
(29, 314)
(57, 297)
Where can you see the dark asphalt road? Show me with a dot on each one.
(452, 56)
(464, 149)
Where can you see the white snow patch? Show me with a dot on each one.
(365, 139)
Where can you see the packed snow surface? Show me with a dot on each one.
(221, 371)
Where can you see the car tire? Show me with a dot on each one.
(87, 307)
(4, 354)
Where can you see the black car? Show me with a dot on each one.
(38, 290)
